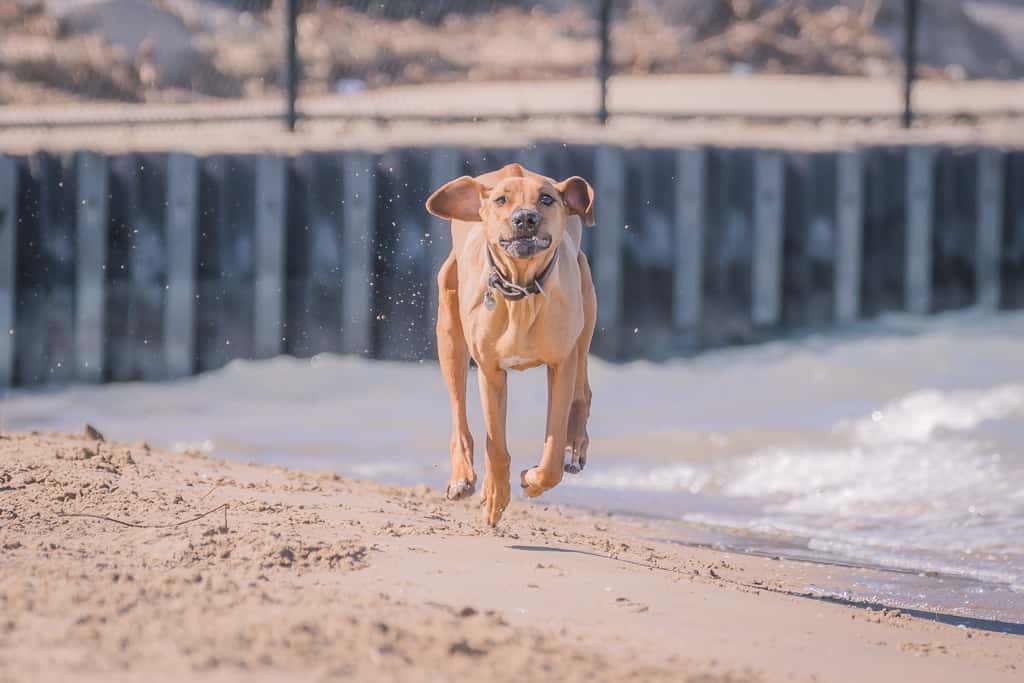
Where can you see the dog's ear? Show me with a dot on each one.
(579, 197)
(458, 200)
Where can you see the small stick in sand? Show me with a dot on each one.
(215, 487)
(222, 506)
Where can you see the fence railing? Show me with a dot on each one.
(282, 59)
(603, 70)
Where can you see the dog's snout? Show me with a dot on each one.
(525, 221)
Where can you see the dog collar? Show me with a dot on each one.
(510, 290)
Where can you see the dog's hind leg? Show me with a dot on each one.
(453, 355)
(577, 441)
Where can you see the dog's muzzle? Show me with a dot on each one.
(525, 247)
(526, 239)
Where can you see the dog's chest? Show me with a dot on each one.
(518, 341)
(518, 363)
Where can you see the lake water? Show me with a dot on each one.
(896, 444)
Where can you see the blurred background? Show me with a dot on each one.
(369, 60)
(809, 252)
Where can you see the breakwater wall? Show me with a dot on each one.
(148, 266)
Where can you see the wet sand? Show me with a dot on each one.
(311, 574)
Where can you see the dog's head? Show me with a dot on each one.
(522, 215)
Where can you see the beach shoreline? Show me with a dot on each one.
(309, 573)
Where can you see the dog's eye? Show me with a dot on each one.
(547, 200)
(500, 201)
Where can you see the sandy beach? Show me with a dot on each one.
(312, 574)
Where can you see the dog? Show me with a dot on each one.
(514, 293)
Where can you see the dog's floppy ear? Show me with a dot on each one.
(458, 200)
(579, 197)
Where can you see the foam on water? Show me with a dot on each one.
(918, 416)
(898, 443)
(916, 486)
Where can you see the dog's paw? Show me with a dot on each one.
(535, 481)
(495, 499)
(460, 488)
(575, 460)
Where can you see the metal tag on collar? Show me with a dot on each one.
(489, 302)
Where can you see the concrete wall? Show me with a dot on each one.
(148, 266)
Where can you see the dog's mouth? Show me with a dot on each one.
(525, 247)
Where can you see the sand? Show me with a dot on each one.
(308, 574)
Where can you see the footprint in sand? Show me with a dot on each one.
(631, 605)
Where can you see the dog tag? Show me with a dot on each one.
(489, 302)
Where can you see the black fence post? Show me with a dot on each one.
(291, 66)
(604, 60)
(909, 59)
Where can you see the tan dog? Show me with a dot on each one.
(515, 293)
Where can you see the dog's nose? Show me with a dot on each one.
(525, 221)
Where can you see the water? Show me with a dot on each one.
(897, 444)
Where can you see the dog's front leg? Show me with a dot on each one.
(453, 355)
(494, 397)
(561, 387)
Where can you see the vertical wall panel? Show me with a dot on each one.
(444, 166)
(148, 265)
(990, 217)
(607, 261)
(47, 250)
(1012, 261)
(883, 263)
(920, 198)
(689, 257)
(8, 266)
(136, 267)
(90, 309)
(850, 236)
(122, 315)
(767, 265)
(181, 225)
(404, 327)
(647, 261)
(954, 229)
(31, 277)
(728, 248)
(808, 258)
(224, 314)
(314, 255)
(269, 277)
(358, 252)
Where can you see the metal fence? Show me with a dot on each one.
(433, 60)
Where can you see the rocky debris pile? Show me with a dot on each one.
(40, 62)
(799, 40)
(745, 36)
(121, 50)
(852, 37)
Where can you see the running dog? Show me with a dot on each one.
(515, 292)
